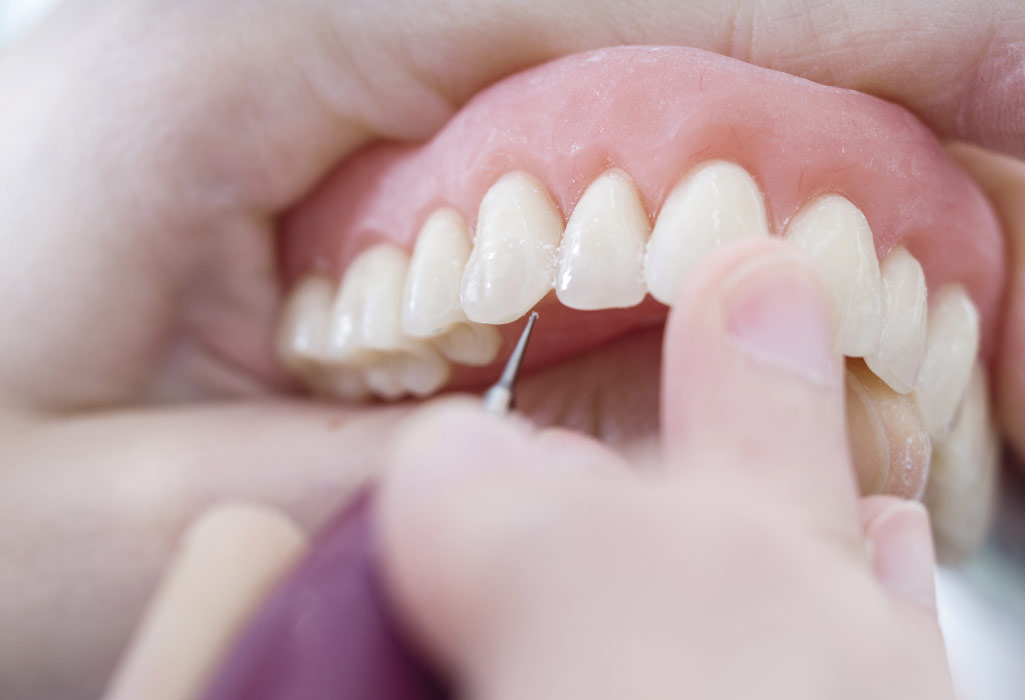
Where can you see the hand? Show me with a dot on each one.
(535, 565)
(149, 149)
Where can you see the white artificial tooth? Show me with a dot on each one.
(472, 344)
(837, 237)
(305, 324)
(951, 344)
(341, 382)
(712, 206)
(383, 379)
(512, 262)
(898, 356)
(367, 311)
(435, 274)
(601, 259)
(424, 372)
(961, 492)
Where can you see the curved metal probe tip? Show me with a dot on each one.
(499, 398)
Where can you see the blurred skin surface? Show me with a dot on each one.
(149, 148)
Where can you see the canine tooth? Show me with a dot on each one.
(889, 443)
(601, 259)
(898, 356)
(961, 492)
(431, 299)
(713, 205)
(472, 344)
(951, 344)
(838, 238)
(512, 263)
(305, 324)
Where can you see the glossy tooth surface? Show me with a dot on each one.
(366, 315)
(951, 344)
(512, 264)
(836, 235)
(713, 205)
(431, 297)
(471, 344)
(367, 311)
(961, 492)
(305, 324)
(889, 443)
(898, 356)
(601, 258)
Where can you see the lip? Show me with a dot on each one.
(655, 112)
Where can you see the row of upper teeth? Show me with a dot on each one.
(396, 322)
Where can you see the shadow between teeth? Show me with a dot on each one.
(917, 397)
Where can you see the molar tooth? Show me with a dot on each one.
(951, 344)
(898, 356)
(601, 258)
(431, 300)
(838, 238)
(305, 324)
(512, 262)
(961, 492)
(890, 446)
(713, 205)
(472, 344)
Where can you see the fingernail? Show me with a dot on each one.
(901, 548)
(778, 315)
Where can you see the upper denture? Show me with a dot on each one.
(656, 113)
(598, 183)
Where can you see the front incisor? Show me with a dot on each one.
(601, 258)
(715, 204)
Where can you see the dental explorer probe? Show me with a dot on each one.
(499, 398)
(328, 630)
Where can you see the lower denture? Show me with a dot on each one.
(614, 140)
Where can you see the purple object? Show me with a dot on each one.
(326, 632)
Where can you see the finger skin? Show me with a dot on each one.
(91, 508)
(229, 560)
(197, 130)
(772, 412)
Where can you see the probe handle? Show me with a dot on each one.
(326, 632)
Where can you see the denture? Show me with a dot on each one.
(596, 184)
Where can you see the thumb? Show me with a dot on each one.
(750, 382)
